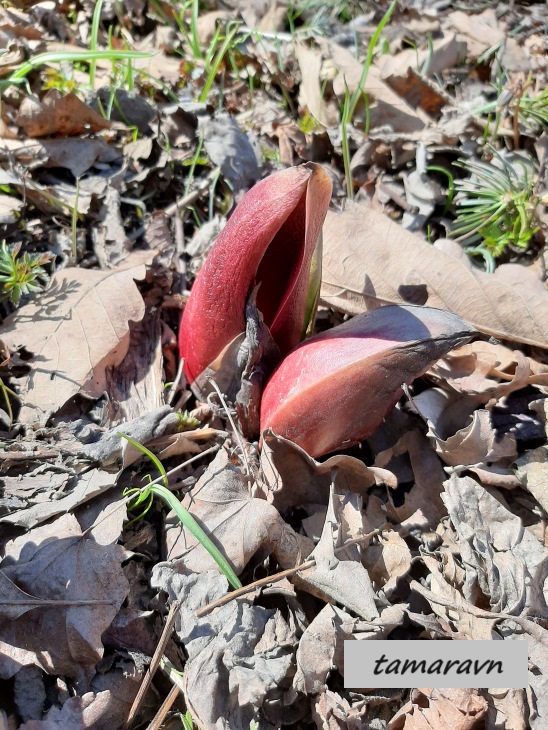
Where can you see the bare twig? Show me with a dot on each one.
(186, 200)
(159, 717)
(278, 576)
(147, 679)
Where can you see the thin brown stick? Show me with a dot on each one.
(520, 92)
(147, 679)
(186, 200)
(159, 717)
(278, 576)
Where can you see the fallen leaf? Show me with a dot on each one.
(476, 623)
(136, 386)
(386, 109)
(485, 30)
(489, 371)
(10, 209)
(12, 57)
(339, 576)
(532, 466)
(105, 709)
(294, 478)
(369, 260)
(77, 155)
(445, 52)
(230, 149)
(508, 708)
(128, 108)
(84, 487)
(440, 709)
(58, 115)
(208, 23)
(387, 561)
(110, 242)
(110, 448)
(75, 330)
(310, 90)
(240, 656)
(58, 562)
(503, 561)
(159, 65)
(321, 640)
(422, 507)
(475, 443)
(239, 523)
(29, 693)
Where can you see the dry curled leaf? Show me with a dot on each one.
(503, 561)
(440, 709)
(240, 656)
(488, 371)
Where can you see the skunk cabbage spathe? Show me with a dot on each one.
(336, 388)
(269, 241)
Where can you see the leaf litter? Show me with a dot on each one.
(434, 527)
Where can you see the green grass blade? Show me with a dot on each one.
(188, 521)
(146, 452)
(71, 56)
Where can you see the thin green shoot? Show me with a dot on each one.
(186, 721)
(144, 496)
(94, 40)
(216, 63)
(356, 96)
(351, 100)
(450, 185)
(213, 47)
(74, 222)
(191, 38)
(70, 56)
(193, 162)
(6, 392)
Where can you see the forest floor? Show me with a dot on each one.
(129, 132)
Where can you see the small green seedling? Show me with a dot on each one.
(495, 205)
(21, 275)
(533, 110)
(186, 421)
(145, 495)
